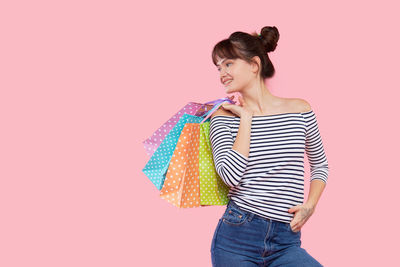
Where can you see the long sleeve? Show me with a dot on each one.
(315, 149)
(229, 163)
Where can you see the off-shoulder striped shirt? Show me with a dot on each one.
(271, 180)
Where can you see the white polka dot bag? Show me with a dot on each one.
(213, 191)
(154, 141)
(156, 168)
(181, 187)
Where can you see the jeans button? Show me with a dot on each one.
(230, 212)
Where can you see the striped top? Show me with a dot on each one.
(271, 180)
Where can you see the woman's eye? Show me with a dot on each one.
(219, 69)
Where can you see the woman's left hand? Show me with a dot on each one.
(302, 214)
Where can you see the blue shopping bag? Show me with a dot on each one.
(156, 168)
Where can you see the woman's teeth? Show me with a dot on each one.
(227, 82)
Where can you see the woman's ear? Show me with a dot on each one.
(255, 66)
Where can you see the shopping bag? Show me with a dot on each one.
(154, 141)
(181, 186)
(213, 191)
(193, 108)
(156, 168)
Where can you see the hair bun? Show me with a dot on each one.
(269, 36)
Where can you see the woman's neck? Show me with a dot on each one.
(259, 98)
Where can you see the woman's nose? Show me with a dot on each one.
(222, 73)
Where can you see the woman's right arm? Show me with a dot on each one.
(242, 142)
(230, 156)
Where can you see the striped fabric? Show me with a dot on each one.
(271, 180)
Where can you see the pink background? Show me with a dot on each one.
(83, 83)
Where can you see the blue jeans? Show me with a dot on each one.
(245, 239)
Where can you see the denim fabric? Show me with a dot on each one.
(245, 239)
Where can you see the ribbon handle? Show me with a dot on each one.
(217, 103)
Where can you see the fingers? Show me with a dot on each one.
(241, 100)
(295, 226)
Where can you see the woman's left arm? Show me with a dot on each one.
(317, 186)
(319, 172)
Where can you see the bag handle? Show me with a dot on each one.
(218, 103)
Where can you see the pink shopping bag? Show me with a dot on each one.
(192, 108)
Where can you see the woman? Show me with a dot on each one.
(258, 149)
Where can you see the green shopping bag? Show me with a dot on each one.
(213, 191)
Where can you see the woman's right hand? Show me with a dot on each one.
(239, 110)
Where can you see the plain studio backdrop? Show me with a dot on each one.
(83, 83)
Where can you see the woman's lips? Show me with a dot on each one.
(227, 82)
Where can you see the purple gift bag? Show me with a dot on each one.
(197, 109)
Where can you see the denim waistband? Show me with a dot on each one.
(252, 215)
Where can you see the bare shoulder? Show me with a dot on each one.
(299, 105)
(222, 112)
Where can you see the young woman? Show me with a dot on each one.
(258, 149)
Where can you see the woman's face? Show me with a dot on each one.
(235, 74)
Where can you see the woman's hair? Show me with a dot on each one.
(245, 46)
